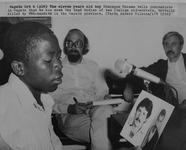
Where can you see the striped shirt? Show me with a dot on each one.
(24, 124)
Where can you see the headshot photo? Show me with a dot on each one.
(146, 121)
(143, 112)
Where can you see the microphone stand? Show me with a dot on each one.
(175, 92)
(146, 83)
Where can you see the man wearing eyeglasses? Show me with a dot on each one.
(82, 83)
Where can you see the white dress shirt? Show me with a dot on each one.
(176, 77)
(24, 124)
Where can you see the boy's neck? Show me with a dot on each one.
(36, 94)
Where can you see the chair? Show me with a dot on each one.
(68, 144)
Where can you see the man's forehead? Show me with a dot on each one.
(75, 35)
(172, 38)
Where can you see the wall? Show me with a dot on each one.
(136, 38)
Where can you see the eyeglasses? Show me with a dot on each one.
(77, 44)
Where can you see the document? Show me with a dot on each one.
(108, 102)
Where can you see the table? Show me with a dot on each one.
(173, 136)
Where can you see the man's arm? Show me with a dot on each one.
(101, 88)
(136, 84)
(55, 139)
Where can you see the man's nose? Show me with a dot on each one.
(73, 46)
(169, 46)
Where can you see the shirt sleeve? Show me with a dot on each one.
(55, 139)
(101, 87)
(4, 145)
(155, 68)
(9, 128)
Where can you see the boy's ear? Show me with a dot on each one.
(181, 46)
(18, 68)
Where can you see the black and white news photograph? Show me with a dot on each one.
(92, 75)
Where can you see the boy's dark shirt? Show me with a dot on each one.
(151, 144)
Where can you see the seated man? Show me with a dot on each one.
(172, 70)
(82, 83)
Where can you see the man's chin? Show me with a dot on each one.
(171, 57)
(74, 60)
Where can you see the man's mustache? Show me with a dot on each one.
(73, 51)
(170, 52)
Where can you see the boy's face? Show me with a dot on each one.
(161, 118)
(140, 116)
(43, 72)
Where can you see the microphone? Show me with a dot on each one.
(123, 66)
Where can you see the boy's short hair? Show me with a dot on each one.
(4, 26)
(147, 103)
(21, 38)
(162, 114)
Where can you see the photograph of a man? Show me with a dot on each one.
(143, 112)
(146, 121)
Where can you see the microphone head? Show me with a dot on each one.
(122, 66)
(119, 65)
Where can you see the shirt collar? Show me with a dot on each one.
(24, 95)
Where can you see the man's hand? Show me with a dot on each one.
(137, 148)
(182, 105)
(128, 93)
(78, 108)
(133, 148)
(107, 96)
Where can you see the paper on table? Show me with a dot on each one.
(108, 102)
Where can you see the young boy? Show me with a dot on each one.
(25, 107)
